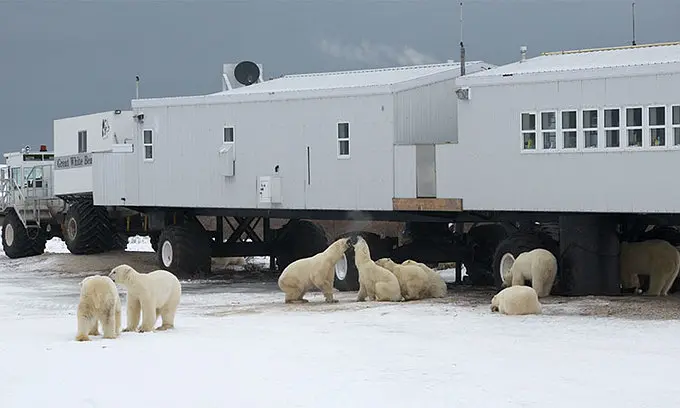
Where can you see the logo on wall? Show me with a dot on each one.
(105, 128)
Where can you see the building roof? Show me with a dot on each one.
(583, 64)
(341, 83)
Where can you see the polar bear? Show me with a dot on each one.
(375, 282)
(413, 280)
(152, 293)
(656, 258)
(99, 302)
(538, 265)
(516, 300)
(438, 287)
(316, 271)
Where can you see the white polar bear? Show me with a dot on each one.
(99, 302)
(375, 282)
(656, 258)
(152, 293)
(516, 300)
(538, 265)
(438, 287)
(316, 271)
(413, 280)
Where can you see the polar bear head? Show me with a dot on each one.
(494, 303)
(361, 246)
(507, 261)
(121, 273)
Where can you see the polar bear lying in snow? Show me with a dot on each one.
(375, 282)
(538, 265)
(516, 300)
(413, 280)
(316, 271)
(656, 258)
(152, 293)
(438, 287)
(99, 302)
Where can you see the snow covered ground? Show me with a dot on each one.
(238, 345)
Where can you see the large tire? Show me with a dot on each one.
(185, 250)
(349, 280)
(299, 239)
(87, 229)
(17, 242)
(485, 239)
(517, 243)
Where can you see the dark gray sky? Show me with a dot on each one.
(62, 58)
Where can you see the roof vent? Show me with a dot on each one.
(523, 53)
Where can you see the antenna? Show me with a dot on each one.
(634, 23)
(136, 86)
(462, 47)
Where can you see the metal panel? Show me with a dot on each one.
(426, 180)
(499, 176)
(405, 171)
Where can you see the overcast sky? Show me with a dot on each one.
(61, 58)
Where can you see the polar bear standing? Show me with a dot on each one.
(538, 265)
(99, 302)
(152, 293)
(656, 258)
(438, 287)
(516, 300)
(316, 271)
(375, 282)
(413, 280)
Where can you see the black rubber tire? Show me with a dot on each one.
(153, 238)
(120, 241)
(24, 243)
(517, 243)
(485, 238)
(94, 231)
(299, 239)
(191, 250)
(378, 249)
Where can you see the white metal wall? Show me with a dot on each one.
(79, 179)
(499, 176)
(185, 169)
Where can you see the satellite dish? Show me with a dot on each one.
(247, 73)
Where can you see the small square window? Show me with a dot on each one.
(148, 137)
(343, 139)
(82, 141)
(228, 135)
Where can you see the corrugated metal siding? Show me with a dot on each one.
(426, 115)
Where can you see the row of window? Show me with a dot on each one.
(228, 137)
(607, 128)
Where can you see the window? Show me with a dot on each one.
(343, 139)
(228, 134)
(82, 141)
(148, 144)
(569, 129)
(549, 127)
(675, 113)
(657, 125)
(529, 131)
(634, 126)
(590, 128)
(612, 124)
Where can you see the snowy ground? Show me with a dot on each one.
(236, 344)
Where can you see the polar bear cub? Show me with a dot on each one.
(99, 302)
(413, 280)
(516, 300)
(152, 293)
(656, 258)
(375, 282)
(538, 265)
(438, 287)
(316, 271)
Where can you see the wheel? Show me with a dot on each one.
(299, 239)
(185, 250)
(153, 238)
(120, 241)
(517, 243)
(346, 272)
(18, 242)
(484, 239)
(88, 229)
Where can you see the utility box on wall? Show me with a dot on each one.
(269, 190)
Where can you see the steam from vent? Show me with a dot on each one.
(375, 54)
